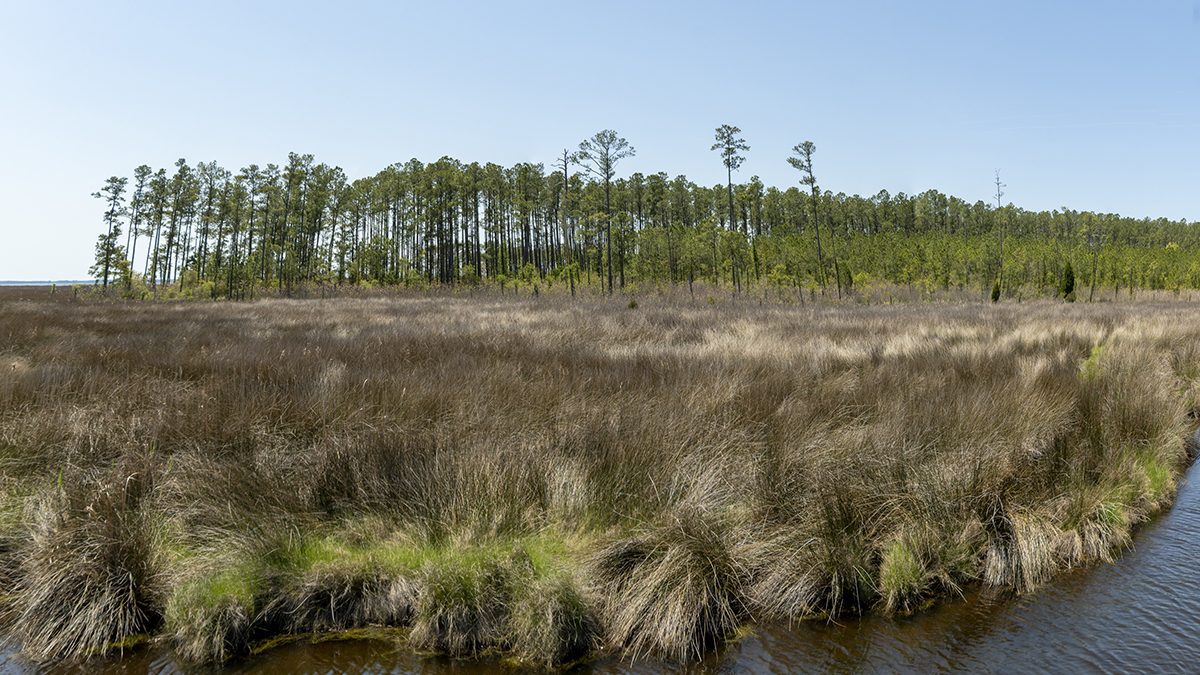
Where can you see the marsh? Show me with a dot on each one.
(547, 480)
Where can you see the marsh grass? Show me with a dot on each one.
(673, 590)
(545, 480)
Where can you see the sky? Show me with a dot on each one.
(1090, 105)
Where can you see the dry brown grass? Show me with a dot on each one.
(547, 478)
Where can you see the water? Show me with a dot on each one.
(1140, 614)
(55, 282)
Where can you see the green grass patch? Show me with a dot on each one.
(1157, 479)
(211, 617)
(473, 599)
(239, 583)
(458, 599)
(901, 576)
(1090, 367)
(329, 550)
(1114, 512)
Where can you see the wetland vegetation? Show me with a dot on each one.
(548, 479)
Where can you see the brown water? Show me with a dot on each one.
(1141, 614)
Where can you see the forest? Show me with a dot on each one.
(206, 231)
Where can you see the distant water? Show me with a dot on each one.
(56, 282)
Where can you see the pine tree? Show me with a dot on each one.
(599, 155)
(802, 161)
(109, 255)
(731, 145)
(137, 208)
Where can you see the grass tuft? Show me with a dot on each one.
(675, 590)
(902, 577)
(88, 575)
(550, 622)
(462, 606)
(211, 619)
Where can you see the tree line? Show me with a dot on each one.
(204, 230)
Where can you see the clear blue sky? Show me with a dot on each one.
(1093, 105)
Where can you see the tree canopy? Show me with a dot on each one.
(205, 229)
